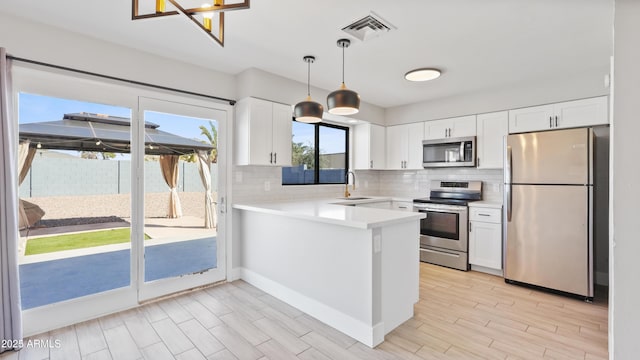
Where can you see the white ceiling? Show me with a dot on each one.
(478, 44)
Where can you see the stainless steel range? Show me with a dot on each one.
(444, 232)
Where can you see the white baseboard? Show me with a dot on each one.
(364, 333)
(496, 272)
(602, 278)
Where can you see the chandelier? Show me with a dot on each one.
(201, 16)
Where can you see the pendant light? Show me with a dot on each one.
(308, 111)
(343, 101)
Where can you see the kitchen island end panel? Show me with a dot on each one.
(361, 281)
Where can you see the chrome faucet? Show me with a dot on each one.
(346, 183)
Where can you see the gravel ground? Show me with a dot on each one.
(91, 209)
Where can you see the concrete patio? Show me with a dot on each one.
(177, 247)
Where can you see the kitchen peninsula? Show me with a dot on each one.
(354, 268)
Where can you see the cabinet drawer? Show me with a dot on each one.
(490, 215)
(402, 205)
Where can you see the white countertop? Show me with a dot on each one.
(486, 204)
(336, 211)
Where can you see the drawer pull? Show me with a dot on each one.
(484, 214)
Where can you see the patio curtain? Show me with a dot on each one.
(26, 153)
(169, 168)
(10, 315)
(204, 167)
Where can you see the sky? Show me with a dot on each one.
(329, 142)
(37, 108)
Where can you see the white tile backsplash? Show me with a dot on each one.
(416, 183)
(251, 184)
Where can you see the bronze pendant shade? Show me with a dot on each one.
(343, 101)
(308, 111)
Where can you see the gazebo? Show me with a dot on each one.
(104, 133)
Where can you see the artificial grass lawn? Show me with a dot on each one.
(49, 244)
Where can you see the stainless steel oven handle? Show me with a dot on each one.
(457, 211)
(440, 252)
(507, 185)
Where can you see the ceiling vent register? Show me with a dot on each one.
(368, 27)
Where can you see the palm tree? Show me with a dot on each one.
(94, 155)
(212, 136)
(302, 154)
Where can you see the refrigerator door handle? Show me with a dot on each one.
(507, 185)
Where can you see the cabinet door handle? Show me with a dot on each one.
(270, 158)
(556, 121)
(371, 164)
(469, 226)
(478, 164)
(275, 158)
(550, 121)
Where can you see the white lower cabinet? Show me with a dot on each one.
(389, 205)
(376, 204)
(401, 205)
(485, 238)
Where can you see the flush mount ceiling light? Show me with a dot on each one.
(202, 16)
(343, 101)
(308, 111)
(424, 74)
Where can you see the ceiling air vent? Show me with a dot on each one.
(368, 27)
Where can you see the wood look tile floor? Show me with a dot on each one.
(460, 315)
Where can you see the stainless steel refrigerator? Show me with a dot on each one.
(548, 217)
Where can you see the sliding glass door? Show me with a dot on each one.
(121, 196)
(181, 242)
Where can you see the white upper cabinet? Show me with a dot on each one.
(492, 128)
(369, 147)
(569, 114)
(404, 146)
(397, 138)
(263, 133)
(450, 128)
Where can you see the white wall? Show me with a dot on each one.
(261, 84)
(572, 87)
(47, 44)
(625, 286)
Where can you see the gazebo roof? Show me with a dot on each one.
(104, 133)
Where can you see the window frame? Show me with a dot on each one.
(316, 155)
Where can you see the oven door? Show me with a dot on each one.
(444, 227)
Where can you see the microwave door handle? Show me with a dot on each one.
(507, 185)
(461, 156)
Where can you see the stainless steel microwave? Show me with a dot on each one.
(449, 152)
